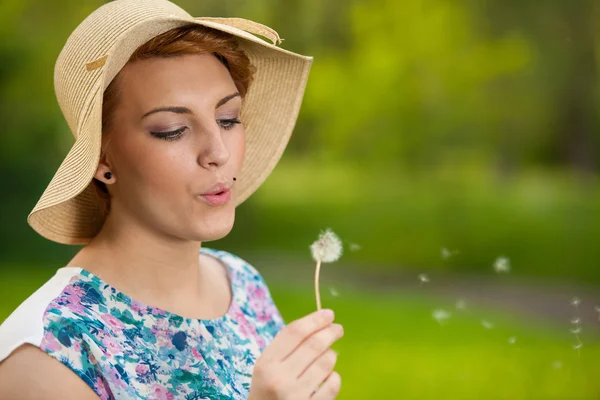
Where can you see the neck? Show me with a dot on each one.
(143, 262)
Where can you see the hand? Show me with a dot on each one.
(298, 360)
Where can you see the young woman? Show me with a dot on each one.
(177, 121)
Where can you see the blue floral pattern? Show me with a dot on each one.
(124, 349)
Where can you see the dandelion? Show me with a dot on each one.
(461, 304)
(423, 278)
(354, 247)
(327, 248)
(333, 292)
(487, 324)
(512, 340)
(502, 265)
(441, 315)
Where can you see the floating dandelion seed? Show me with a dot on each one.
(487, 324)
(502, 265)
(575, 321)
(512, 340)
(333, 292)
(423, 278)
(441, 316)
(327, 248)
(557, 365)
(597, 308)
(354, 247)
(461, 304)
(446, 253)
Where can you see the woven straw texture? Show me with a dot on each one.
(68, 211)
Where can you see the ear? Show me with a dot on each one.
(103, 167)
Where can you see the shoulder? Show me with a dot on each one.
(240, 266)
(257, 298)
(26, 323)
(29, 373)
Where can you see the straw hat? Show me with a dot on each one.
(68, 211)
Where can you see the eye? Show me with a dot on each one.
(228, 123)
(170, 135)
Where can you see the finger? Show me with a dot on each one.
(290, 337)
(311, 349)
(317, 372)
(330, 388)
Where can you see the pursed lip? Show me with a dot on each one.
(217, 188)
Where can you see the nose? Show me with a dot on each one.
(213, 151)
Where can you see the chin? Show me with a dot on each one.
(214, 228)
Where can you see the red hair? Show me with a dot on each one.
(188, 39)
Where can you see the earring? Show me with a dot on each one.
(108, 175)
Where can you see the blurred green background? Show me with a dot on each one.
(435, 136)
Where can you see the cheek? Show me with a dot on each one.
(152, 166)
(240, 149)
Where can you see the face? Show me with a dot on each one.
(173, 135)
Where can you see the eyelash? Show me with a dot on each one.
(176, 134)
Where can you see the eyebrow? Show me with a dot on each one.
(185, 110)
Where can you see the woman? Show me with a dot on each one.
(177, 121)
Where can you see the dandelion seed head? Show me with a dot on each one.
(327, 248)
(440, 315)
(512, 339)
(423, 278)
(487, 324)
(502, 265)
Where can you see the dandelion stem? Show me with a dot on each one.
(317, 285)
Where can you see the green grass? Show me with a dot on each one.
(393, 349)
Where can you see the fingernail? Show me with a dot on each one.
(327, 313)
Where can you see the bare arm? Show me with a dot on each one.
(29, 373)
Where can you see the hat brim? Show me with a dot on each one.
(68, 211)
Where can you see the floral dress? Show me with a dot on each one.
(124, 349)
